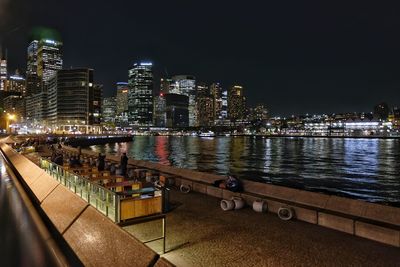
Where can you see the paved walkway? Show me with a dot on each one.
(204, 235)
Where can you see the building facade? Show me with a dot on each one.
(36, 109)
(109, 109)
(49, 59)
(16, 83)
(3, 73)
(140, 95)
(33, 82)
(186, 85)
(159, 114)
(122, 97)
(236, 104)
(74, 101)
(177, 110)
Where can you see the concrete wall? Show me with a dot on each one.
(368, 220)
(95, 239)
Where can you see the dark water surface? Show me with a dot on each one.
(365, 169)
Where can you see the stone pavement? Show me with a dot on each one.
(201, 234)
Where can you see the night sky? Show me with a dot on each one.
(294, 57)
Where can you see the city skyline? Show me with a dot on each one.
(285, 60)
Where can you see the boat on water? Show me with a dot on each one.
(206, 134)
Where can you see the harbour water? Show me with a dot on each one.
(367, 169)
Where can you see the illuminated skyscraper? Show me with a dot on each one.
(122, 97)
(186, 85)
(74, 99)
(205, 105)
(3, 71)
(49, 58)
(167, 86)
(33, 82)
(140, 95)
(236, 103)
(16, 83)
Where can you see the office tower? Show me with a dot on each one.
(236, 103)
(223, 115)
(381, 111)
(16, 83)
(33, 82)
(167, 86)
(258, 115)
(36, 108)
(74, 101)
(177, 111)
(216, 94)
(159, 114)
(122, 97)
(205, 105)
(186, 85)
(202, 89)
(49, 58)
(15, 105)
(109, 109)
(205, 110)
(3, 70)
(220, 103)
(140, 95)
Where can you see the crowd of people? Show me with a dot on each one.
(100, 162)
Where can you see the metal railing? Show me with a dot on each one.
(102, 199)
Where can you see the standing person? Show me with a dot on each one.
(101, 163)
(124, 164)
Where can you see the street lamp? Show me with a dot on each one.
(10, 117)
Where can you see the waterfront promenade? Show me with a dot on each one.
(204, 235)
(201, 234)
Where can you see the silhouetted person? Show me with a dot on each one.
(124, 164)
(101, 162)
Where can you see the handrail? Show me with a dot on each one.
(105, 200)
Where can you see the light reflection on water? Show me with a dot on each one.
(359, 168)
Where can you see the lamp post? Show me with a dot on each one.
(10, 117)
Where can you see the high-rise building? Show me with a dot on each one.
(140, 95)
(36, 108)
(33, 82)
(16, 83)
(186, 85)
(205, 110)
(32, 58)
(3, 72)
(109, 109)
(258, 115)
(236, 103)
(159, 113)
(167, 86)
(177, 111)
(74, 101)
(220, 103)
(205, 105)
(122, 97)
(49, 58)
(15, 104)
(202, 89)
(381, 111)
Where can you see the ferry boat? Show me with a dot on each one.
(206, 134)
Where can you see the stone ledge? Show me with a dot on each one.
(377, 233)
(346, 205)
(214, 191)
(336, 222)
(99, 242)
(60, 214)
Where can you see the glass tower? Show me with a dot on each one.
(140, 94)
